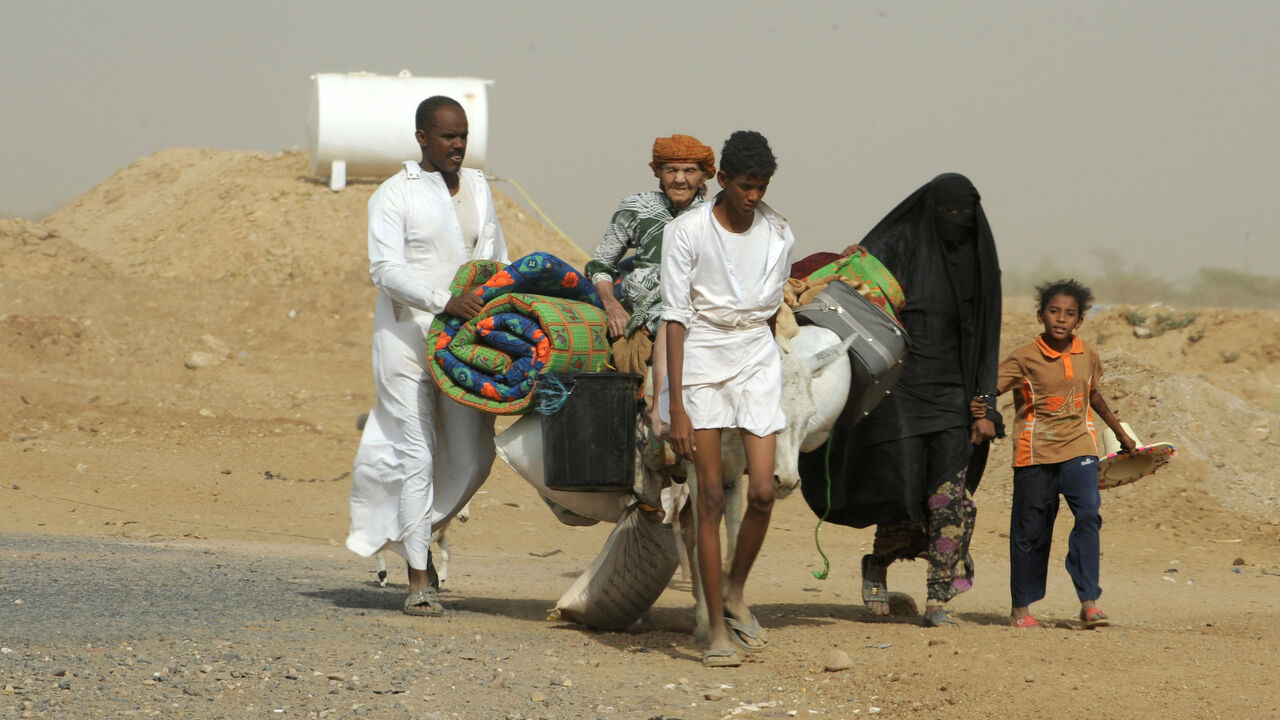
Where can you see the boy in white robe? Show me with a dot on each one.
(724, 266)
(422, 455)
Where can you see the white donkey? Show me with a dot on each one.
(815, 385)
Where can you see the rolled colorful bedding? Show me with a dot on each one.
(540, 316)
(861, 271)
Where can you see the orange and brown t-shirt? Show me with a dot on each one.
(1053, 420)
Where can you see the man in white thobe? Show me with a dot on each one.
(422, 456)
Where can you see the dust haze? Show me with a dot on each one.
(1137, 136)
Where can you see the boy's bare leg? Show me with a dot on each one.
(710, 509)
(755, 522)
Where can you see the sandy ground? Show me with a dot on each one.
(187, 351)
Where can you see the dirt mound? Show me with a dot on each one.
(30, 249)
(195, 213)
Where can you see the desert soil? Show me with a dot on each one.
(186, 359)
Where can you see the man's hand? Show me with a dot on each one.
(617, 317)
(854, 249)
(982, 431)
(465, 306)
(681, 434)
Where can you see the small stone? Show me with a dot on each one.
(1141, 332)
(1029, 678)
(1238, 561)
(335, 676)
(60, 672)
(499, 681)
(934, 642)
(837, 660)
(713, 695)
(64, 685)
(538, 697)
(200, 359)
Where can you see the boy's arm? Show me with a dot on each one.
(681, 425)
(677, 311)
(1099, 405)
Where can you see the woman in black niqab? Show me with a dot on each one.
(910, 467)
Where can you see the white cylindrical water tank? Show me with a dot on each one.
(362, 125)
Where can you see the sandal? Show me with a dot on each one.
(742, 634)
(1094, 617)
(724, 657)
(939, 618)
(874, 592)
(423, 602)
(1026, 621)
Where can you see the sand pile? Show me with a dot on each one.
(204, 214)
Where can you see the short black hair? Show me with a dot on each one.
(426, 115)
(1070, 288)
(747, 152)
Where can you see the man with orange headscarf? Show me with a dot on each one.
(682, 165)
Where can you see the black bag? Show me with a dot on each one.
(875, 357)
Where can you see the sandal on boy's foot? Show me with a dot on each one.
(939, 618)
(1094, 617)
(1026, 621)
(750, 637)
(874, 592)
(723, 657)
(423, 602)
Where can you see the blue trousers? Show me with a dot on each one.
(1036, 490)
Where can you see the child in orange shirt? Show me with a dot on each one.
(1056, 454)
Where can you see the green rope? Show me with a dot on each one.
(826, 563)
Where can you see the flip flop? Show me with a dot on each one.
(873, 591)
(939, 618)
(1094, 617)
(423, 602)
(741, 633)
(1026, 621)
(724, 657)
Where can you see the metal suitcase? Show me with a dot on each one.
(875, 357)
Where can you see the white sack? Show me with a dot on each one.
(633, 568)
(520, 446)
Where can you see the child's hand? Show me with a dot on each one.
(977, 409)
(981, 431)
(1127, 443)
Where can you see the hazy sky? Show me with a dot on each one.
(1150, 130)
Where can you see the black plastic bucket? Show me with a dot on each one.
(589, 445)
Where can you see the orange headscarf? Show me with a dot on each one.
(682, 149)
